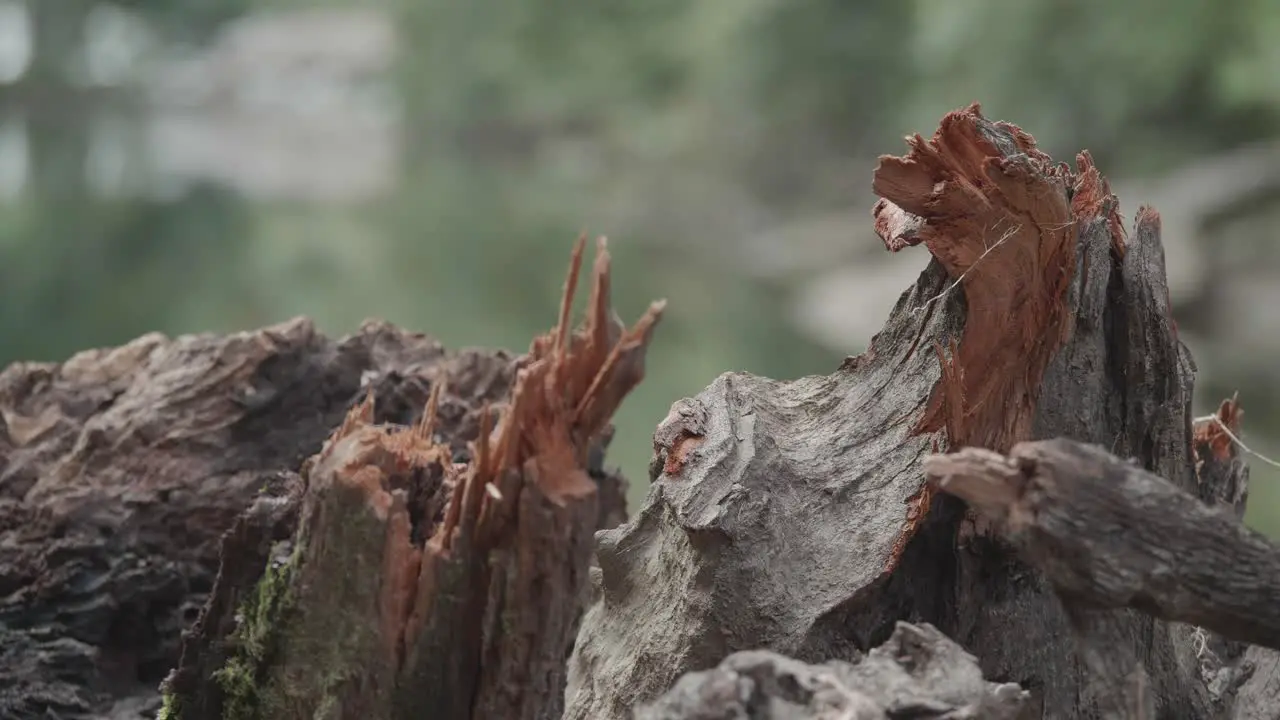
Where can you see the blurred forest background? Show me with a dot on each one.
(214, 165)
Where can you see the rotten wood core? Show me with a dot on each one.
(997, 214)
(1004, 221)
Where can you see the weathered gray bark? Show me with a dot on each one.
(1108, 534)
(794, 516)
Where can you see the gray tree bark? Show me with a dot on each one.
(795, 515)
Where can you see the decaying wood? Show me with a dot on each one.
(1108, 534)
(379, 530)
(124, 472)
(120, 470)
(794, 515)
(415, 586)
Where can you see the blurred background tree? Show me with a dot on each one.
(211, 165)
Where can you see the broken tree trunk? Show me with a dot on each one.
(120, 470)
(415, 586)
(795, 516)
(125, 475)
(431, 558)
(1109, 535)
(1106, 534)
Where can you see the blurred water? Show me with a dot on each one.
(151, 182)
(291, 106)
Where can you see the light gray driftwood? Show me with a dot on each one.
(793, 516)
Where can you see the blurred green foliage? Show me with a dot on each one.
(677, 128)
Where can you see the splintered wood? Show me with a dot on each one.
(1216, 431)
(567, 389)
(1003, 219)
(466, 580)
(998, 215)
(526, 491)
(565, 394)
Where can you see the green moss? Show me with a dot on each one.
(241, 688)
(308, 636)
(330, 648)
(338, 642)
(171, 709)
(255, 639)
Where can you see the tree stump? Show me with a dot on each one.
(415, 585)
(120, 470)
(796, 516)
(1003, 509)
(125, 475)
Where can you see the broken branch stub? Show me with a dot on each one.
(794, 515)
(1108, 534)
(1222, 477)
(418, 585)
